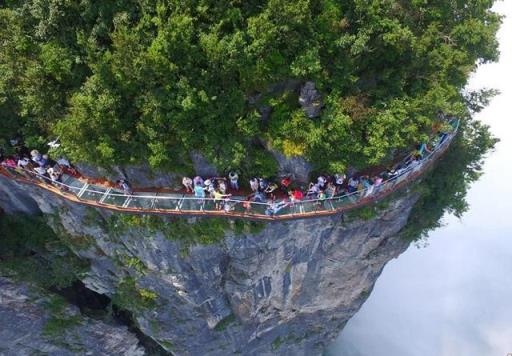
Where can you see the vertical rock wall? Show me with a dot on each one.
(288, 289)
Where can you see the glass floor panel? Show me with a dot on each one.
(169, 203)
(191, 204)
(145, 202)
(73, 184)
(117, 200)
(94, 193)
(287, 210)
(308, 207)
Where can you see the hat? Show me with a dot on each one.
(34, 153)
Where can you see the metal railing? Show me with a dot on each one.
(97, 195)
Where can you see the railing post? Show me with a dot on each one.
(127, 201)
(153, 202)
(180, 202)
(105, 195)
(6, 172)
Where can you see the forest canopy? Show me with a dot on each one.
(126, 81)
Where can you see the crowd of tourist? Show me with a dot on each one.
(279, 193)
(25, 161)
(274, 194)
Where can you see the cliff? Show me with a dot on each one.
(286, 288)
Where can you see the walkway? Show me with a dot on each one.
(101, 196)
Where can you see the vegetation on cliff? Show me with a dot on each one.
(130, 81)
(444, 189)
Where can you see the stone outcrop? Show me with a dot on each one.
(140, 175)
(201, 165)
(15, 200)
(310, 100)
(295, 166)
(288, 289)
(144, 176)
(34, 322)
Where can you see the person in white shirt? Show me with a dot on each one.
(321, 181)
(255, 184)
(233, 180)
(187, 182)
(222, 186)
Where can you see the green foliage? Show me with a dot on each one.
(288, 268)
(155, 326)
(372, 209)
(276, 344)
(202, 232)
(240, 227)
(444, 189)
(61, 320)
(93, 217)
(224, 323)
(131, 297)
(364, 213)
(135, 263)
(57, 326)
(152, 81)
(167, 344)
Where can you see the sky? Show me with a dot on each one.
(453, 296)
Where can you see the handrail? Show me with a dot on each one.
(291, 210)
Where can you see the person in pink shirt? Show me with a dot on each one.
(9, 162)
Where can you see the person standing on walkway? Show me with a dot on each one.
(199, 191)
(255, 184)
(218, 197)
(222, 185)
(198, 181)
(125, 186)
(187, 182)
(233, 180)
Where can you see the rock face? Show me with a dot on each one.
(201, 165)
(14, 199)
(297, 166)
(34, 322)
(140, 176)
(288, 289)
(310, 100)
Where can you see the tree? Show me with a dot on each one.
(131, 81)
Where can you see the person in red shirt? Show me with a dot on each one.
(296, 195)
(285, 184)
